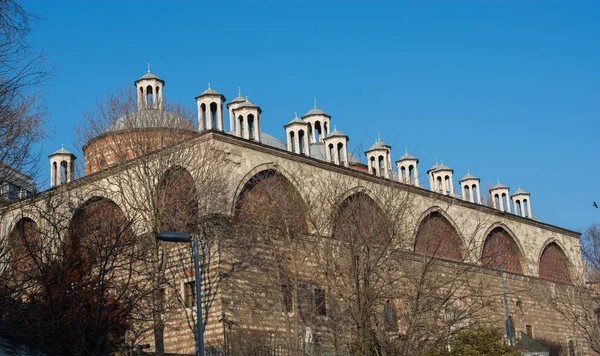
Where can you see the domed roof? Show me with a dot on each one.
(336, 133)
(439, 167)
(520, 191)
(238, 99)
(406, 156)
(62, 151)
(210, 91)
(269, 140)
(315, 111)
(247, 104)
(499, 186)
(378, 146)
(297, 121)
(150, 118)
(468, 176)
(149, 76)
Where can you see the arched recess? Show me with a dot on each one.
(359, 218)
(437, 237)
(25, 244)
(98, 225)
(501, 249)
(177, 201)
(554, 263)
(270, 200)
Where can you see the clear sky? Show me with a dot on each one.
(509, 90)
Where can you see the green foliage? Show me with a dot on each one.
(477, 342)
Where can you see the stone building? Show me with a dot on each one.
(314, 186)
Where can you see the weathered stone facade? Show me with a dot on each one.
(250, 291)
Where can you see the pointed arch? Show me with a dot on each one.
(269, 199)
(437, 236)
(554, 265)
(177, 201)
(98, 225)
(25, 244)
(360, 218)
(501, 248)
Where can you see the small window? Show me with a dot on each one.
(529, 330)
(124, 157)
(320, 302)
(390, 320)
(287, 293)
(189, 294)
(103, 163)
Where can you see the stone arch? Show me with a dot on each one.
(25, 244)
(269, 199)
(177, 201)
(554, 265)
(254, 171)
(437, 236)
(97, 224)
(360, 218)
(500, 239)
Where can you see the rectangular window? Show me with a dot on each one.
(529, 330)
(189, 294)
(287, 292)
(320, 302)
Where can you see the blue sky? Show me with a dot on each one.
(507, 89)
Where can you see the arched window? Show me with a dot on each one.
(269, 200)
(340, 153)
(56, 173)
(519, 209)
(99, 226)
(213, 115)
(25, 244)
(467, 193)
(497, 201)
(475, 193)
(447, 184)
(381, 166)
(331, 153)
(292, 141)
(437, 238)
(251, 127)
(205, 114)
(500, 249)
(361, 220)
(403, 174)
(373, 166)
(554, 264)
(301, 141)
(526, 208)
(63, 172)
(505, 202)
(325, 130)
(149, 97)
(439, 184)
(177, 201)
(318, 132)
(411, 174)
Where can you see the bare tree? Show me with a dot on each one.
(72, 284)
(167, 177)
(578, 301)
(21, 114)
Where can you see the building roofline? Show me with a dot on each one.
(224, 137)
